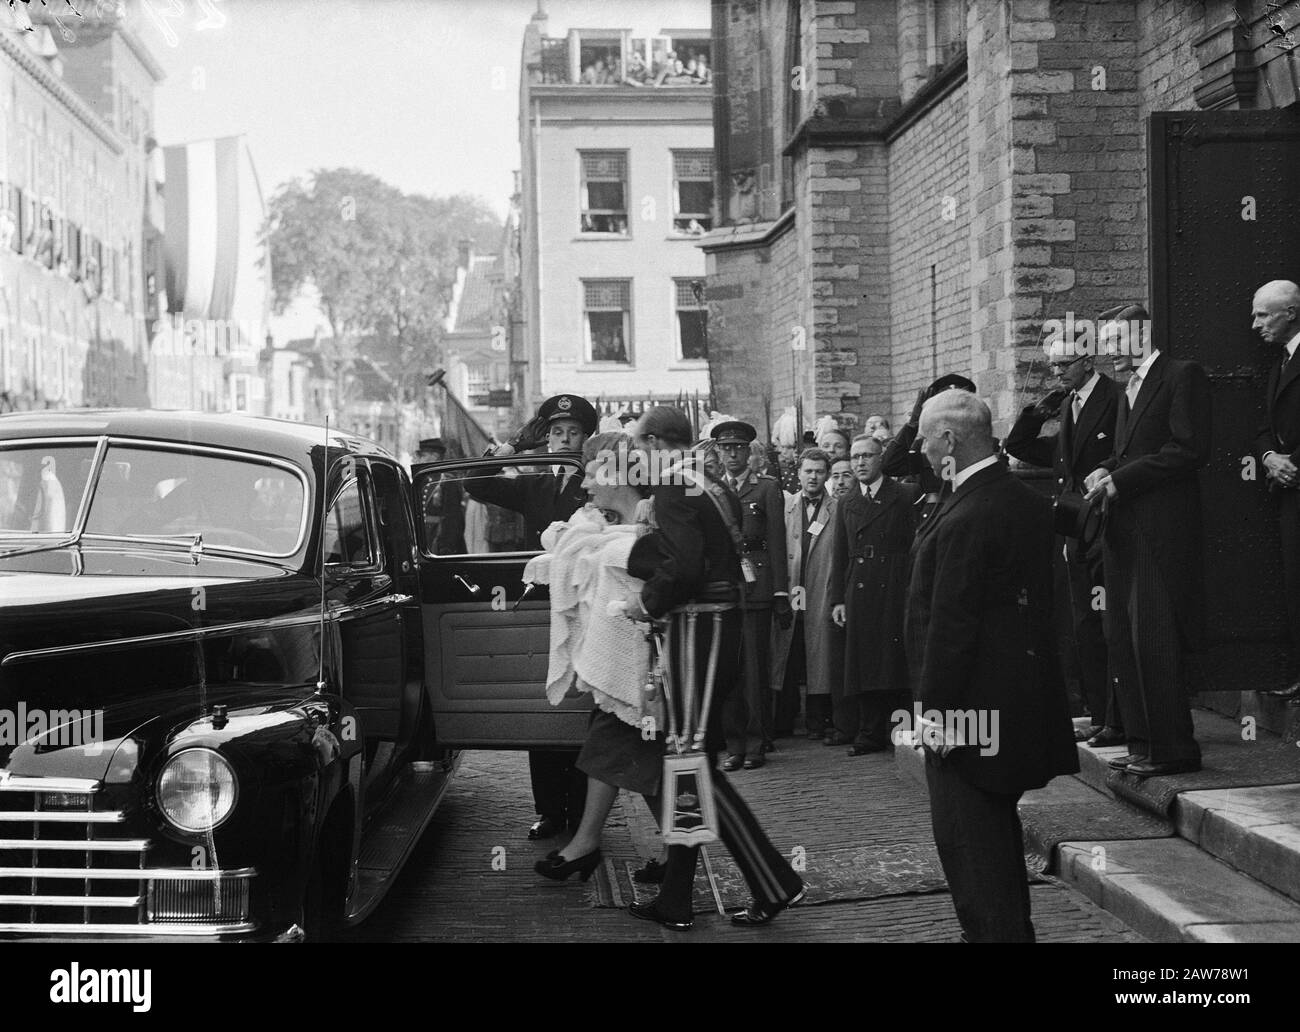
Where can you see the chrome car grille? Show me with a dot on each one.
(68, 867)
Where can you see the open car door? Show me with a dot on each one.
(487, 634)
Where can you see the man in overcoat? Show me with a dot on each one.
(981, 640)
(811, 652)
(875, 525)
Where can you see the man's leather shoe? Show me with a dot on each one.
(1291, 692)
(755, 915)
(650, 912)
(1123, 762)
(835, 738)
(754, 762)
(733, 763)
(862, 748)
(1107, 737)
(546, 828)
(1082, 734)
(1147, 769)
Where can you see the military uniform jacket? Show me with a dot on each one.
(762, 531)
(873, 539)
(980, 633)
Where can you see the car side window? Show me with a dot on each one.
(483, 508)
(349, 540)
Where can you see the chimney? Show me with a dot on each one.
(466, 253)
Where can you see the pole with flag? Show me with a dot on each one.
(459, 427)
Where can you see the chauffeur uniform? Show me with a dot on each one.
(1083, 442)
(748, 718)
(559, 788)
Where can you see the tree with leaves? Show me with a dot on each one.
(383, 263)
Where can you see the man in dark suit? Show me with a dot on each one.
(1155, 613)
(982, 648)
(562, 424)
(748, 719)
(873, 538)
(692, 558)
(1275, 314)
(1087, 401)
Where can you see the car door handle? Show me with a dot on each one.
(473, 589)
(528, 590)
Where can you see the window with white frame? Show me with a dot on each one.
(692, 191)
(604, 192)
(692, 320)
(607, 320)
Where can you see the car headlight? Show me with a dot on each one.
(197, 790)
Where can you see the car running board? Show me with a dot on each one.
(394, 831)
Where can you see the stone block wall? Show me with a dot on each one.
(929, 227)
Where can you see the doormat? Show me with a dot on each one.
(1047, 825)
(839, 875)
(1224, 766)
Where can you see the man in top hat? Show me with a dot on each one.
(1275, 315)
(562, 424)
(1087, 401)
(747, 716)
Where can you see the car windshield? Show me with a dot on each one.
(234, 502)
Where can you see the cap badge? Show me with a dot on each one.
(565, 403)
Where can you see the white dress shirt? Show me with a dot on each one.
(971, 470)
(1139, 377)
(1082, 394)
(869, 491)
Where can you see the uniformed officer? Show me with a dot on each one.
(562, 424)
(748, 717)
(442, 503)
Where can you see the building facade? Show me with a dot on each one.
(75, 125)
(912, 187)
(616, 189)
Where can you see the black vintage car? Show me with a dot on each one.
(234, 674)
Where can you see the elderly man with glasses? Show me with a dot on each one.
(1086, 401)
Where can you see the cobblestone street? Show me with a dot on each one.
(861, 832)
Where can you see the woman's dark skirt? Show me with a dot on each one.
(616, 754)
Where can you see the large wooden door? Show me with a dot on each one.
(1225, 219)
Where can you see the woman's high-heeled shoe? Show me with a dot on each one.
(559, 869)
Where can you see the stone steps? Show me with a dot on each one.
(1226, 870)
